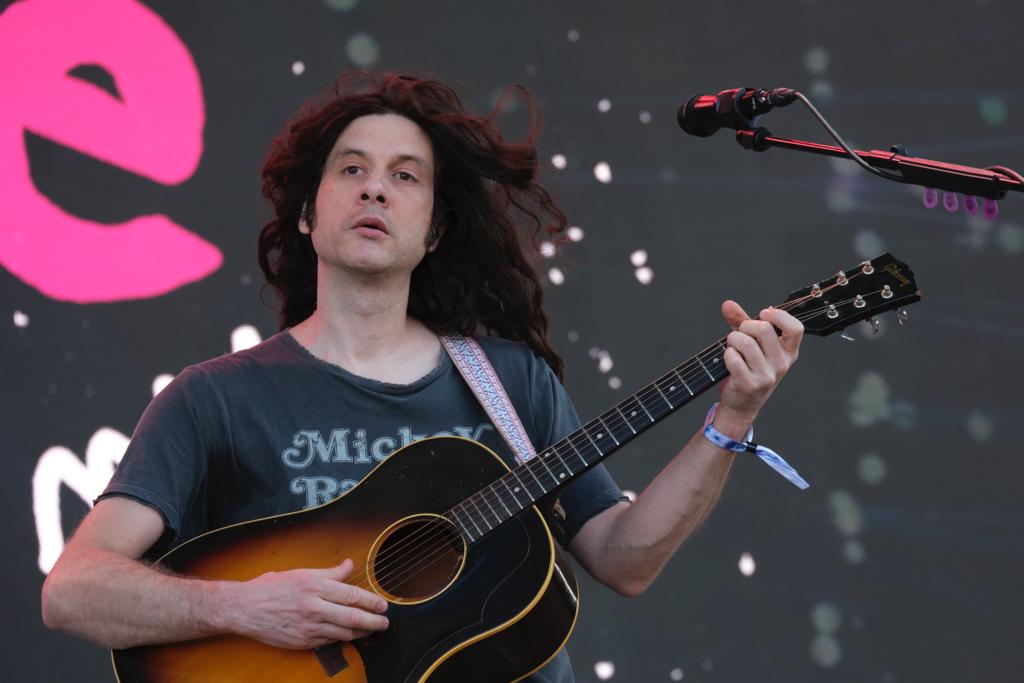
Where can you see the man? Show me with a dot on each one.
(397, 219)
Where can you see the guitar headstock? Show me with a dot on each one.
(862, 292)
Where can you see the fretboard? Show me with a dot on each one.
(557, 465)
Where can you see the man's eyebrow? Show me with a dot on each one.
(347, 151)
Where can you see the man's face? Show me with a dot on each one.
(376, 197)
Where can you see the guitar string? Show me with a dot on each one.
(435, 528)
(439, 528)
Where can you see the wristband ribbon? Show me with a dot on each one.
(770, 457)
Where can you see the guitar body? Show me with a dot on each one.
(494, 610)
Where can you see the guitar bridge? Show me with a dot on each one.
(332, 658)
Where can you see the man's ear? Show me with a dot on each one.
(304, 226)
(435, 232)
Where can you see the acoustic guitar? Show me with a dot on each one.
(457, 543)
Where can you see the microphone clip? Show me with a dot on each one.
(754, 139)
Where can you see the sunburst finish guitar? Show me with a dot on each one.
(455, 541)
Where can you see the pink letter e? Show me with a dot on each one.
(154, 130)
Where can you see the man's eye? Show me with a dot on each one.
(350, 170)
(403, 175)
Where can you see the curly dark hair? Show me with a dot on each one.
(488, 209)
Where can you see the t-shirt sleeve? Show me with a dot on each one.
(167, 460)
(592, 492)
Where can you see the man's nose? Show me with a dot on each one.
(373, 190)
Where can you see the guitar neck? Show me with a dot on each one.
(852, 295)
(560, 463)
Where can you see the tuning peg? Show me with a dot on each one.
(846, 335)
(873, 324)
(902, 317)
(991, 209)
(971, 205)
(949, 201)
(931, 198)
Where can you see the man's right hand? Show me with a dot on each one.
(304, 608)
(99, 590)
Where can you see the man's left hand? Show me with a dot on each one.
(757, 357)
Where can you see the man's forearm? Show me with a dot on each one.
(641, 539)
(118, 602)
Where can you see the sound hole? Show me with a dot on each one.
(417, 558)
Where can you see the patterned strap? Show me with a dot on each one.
(472, 363)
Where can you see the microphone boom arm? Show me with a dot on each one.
(967, 180)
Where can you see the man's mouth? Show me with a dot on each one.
(371, 223)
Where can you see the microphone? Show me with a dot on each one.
(739, 109)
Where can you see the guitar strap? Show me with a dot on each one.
(479, 374)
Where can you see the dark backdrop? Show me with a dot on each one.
(903, 560)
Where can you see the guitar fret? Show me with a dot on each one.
(705, 369)
(561, 460)
(659, 410)
(483, 517)
(456, 518)
(529, 468)
(586, 432)
(625, 420)
(500, 500)
(657, 405)
(718, 358)
(637, 399)
(497, 517)
(542, 462)
(608, 429)
(523, 486)
(719, 364)
(687, 386)
(633, 413)
(663, 396)
(620, 421)
(513, 493)
(580, 455)
(469, 516)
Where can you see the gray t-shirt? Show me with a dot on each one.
(273, 429)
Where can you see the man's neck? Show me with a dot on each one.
(362, 324)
